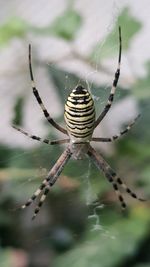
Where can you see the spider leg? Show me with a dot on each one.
(115, 137)
(114, 86)
(39, 100)
(52, 176)
(111, 176)
(46, 141)
(42, 199)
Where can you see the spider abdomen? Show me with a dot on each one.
(80, 114)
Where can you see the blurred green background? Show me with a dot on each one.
(81, 223)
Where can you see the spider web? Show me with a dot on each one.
(91, 197)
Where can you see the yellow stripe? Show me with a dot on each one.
(73, 100)
(80, 105)
(79, 95)
(67, 109)
(89, 125)
(80, 131)
(83, 119)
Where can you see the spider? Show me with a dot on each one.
(80, 121)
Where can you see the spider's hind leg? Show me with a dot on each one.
(35, 195)
(128, 190)
(108, 172)
(49, 181)
(112, 176)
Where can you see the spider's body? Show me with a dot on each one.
(80, 118)
(80, 115)
(80, 124)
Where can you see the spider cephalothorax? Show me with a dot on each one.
(80, 124)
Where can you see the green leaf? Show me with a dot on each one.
(145, 180)
(18, 111)
(141, 87)
(15, 27)
(5, 258)
(129, 26)
(64, 26)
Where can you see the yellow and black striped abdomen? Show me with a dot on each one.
(80, 114)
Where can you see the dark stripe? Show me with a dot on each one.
(110, 179)
(78, 110)
(35, 92)
(81, 115)
(91, 108)
(40, 203)
(89, 127)
(29, 202)
(86, 97)
(78, 93)
(125, 131)
(107, 106)
(111, 97)
(124, 205)
(80, 90)
(121, 198)
(35, 137)
(115, 187)
(119, 181)
(42, 186)
(81, 135)
(80, 123)
(46, 141)
(116, 77)
(36, 210)
(133, 195)
(112, 173)
(77, 103)
(115, 137)
(46, 114)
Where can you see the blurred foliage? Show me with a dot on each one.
(18, 111)
(141, 87)
(129, 26)
(123, 239)
(5, 258)
(66, 26)
(14, 27)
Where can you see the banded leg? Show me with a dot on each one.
(39, 100)
(52, 176)
(46, 141)
(111, 176)
(115, 137)
(114, 86)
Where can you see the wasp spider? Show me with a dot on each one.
(80, 121)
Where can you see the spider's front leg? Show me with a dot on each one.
(39, 100)
(111, 176)
(37, 138)
(114, 86)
